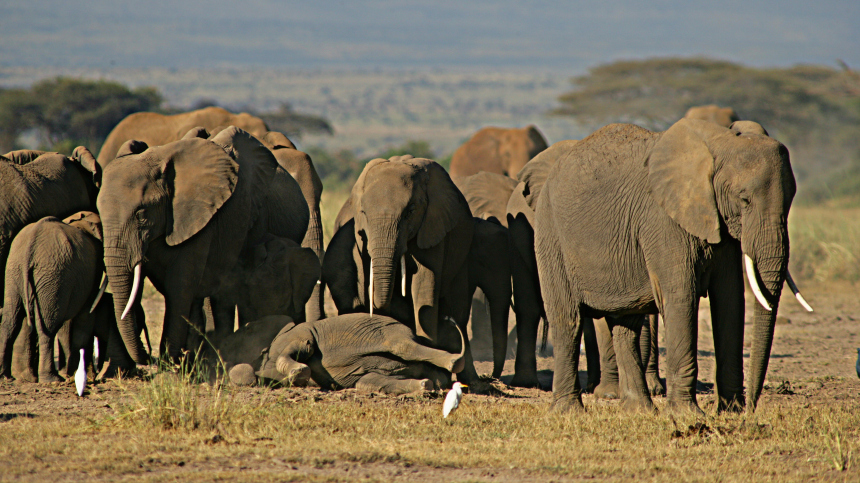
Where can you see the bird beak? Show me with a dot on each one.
(463, 385)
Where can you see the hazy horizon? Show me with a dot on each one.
(406, 34)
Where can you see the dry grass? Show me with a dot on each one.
(825, 243)
(275, 433)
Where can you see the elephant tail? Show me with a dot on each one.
(31, 300)
(544, 334)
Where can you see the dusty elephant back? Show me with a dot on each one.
(497, 150)
(487, 195)
(157, 129)
(723, 116)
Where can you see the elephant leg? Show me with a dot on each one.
(16, 344)
(625, 338)
(425, 293)
(409, 350)
(727, 315)
(25, 354)
(681, 323)
(481, 338)
(224, 316)
(608, 387)
(592, 353)
(528, 311)
(373, 382)
(652, 369)
(47, 371)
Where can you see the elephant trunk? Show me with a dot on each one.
(314, 308)
(121, 281)
(768, 262)
(382, 248)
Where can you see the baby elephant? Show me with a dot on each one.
(52, 275)
(368, 352)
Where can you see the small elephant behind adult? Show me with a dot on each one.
(497, 150)
(52, 276)
(368, 352)
(723, 116)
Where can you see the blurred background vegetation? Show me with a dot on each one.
(814, 110)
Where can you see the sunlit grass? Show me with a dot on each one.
(825, 243)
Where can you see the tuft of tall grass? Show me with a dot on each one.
(825, 243)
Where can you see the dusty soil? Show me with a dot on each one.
(812, 364)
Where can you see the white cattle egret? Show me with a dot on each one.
(81, 375)
(452, 400)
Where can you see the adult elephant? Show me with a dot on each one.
(156, 129)
(723, 116)
(632, 221)
(412, 224)
(497, 150)
(182, 214)
(301, 168)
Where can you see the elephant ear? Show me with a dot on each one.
(23, 156)
(446, 205)
(201, 176)
(131, 147)
(748, 127)
(681, 175)
(275, 140)
(87, 221)
(196, 132)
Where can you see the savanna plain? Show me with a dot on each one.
(167, 426)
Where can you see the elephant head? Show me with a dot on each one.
(722, 185)
(169, 192)
(396, 202)
(292, 348)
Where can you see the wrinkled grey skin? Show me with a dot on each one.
(52, 275)
(186, 212)
(488, 269)
(276, 277)
(371, 353)
(408, 208)
(632, 221)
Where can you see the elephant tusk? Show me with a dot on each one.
(403, 275)
(371, 287)
(750, 269)
(793, 287)
(133, 296)
(101, 292)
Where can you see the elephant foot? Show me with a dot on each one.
(243, 375)
(568, 403)
(607, 390)
(529, 381)
(457, 365)
(638, 404)
(734, 404)
(49, 377)
(684, 407)
(425, 385)
(655, 385)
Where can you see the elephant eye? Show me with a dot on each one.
(141, 216)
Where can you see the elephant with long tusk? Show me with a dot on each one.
(633, 222)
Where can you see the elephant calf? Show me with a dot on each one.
(52, 275)
(368, 352)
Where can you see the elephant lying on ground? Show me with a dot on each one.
(52, 276)
(368, 352)
(497, 150)
(156, 129)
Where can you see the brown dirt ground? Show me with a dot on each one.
(812, 363)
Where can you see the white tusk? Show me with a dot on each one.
(95, 352)
(371, 287)
(793, 287)
(101, 292)
(750, 269)
(134, 287)
(403, 275)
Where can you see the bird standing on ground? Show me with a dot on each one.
(452, 400)
(81, 375)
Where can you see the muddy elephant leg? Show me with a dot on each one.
(625, 337)
(25, 354)
(373, 382)
(527, 308)
(652, 369)
(64, 350)
(592, 353)
(458, 305)
(608, 387)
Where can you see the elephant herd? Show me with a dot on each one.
(223, 217)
